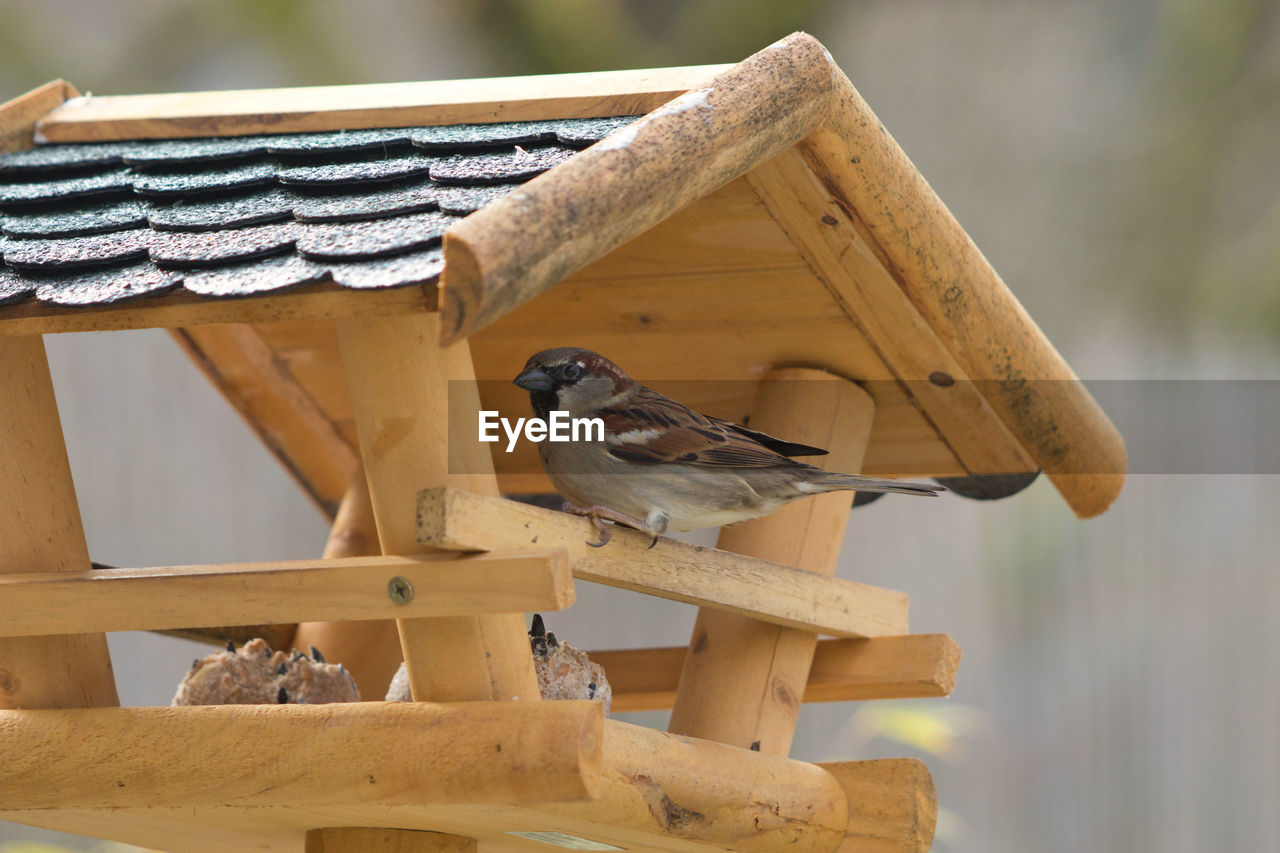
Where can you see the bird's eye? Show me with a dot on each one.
(570, 371)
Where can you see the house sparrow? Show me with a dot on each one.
(662, 465)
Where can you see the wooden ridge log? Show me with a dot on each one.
(351, 588)
(310, 108)
(965, 303)
(893, 807)
(301, 755)
(519, 246)
(19, 115)
(454, 519)
(910, 666)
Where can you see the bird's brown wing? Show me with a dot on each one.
(651, 428)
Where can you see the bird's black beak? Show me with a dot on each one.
(535, 379)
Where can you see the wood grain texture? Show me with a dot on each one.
(891, 810)
(235, 113)
(353, 588)
(359, 839)
(370, 649)
(40, 530)
(399, 377)
(672, 569)
(910, 666)
(182, 308)
(521, 245)
(18, 116)
(743, 679)
(301, 755)
(966, 304)
(657, 792)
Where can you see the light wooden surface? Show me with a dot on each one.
(455, 519)
(370, 649)
(743, 679)
(967, 306)
(235, 113)
(301, 755)
(910, 666)
(399, 378)
(352, 839)
(523, 244)
(353, 588)
(18, 116)
(40, 530)
(183, 308)
(894, 810)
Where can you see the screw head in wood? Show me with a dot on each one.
(400, 590)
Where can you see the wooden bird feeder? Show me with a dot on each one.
(753, 226)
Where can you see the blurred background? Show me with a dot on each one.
(1117, 163)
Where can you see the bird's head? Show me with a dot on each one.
(571, 379)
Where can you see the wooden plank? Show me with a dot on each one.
(893, 810)
(368, 752)
(825, 234)
(234, 113)
(451, 518)
(324, 301)
(40, 530)
(519, 246)
(363, 839)
(18, 116)
(906, 667)
(399, 378)
(742, 679)
(657, 792)
(962, 299)
(239, 363)
(60, 602)
(370, 649)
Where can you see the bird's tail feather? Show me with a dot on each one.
(832, 482)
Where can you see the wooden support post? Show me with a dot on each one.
(361, 839)
(743, 679)
(398, 377)
(371, 650)
(40, 531)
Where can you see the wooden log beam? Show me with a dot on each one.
(965, 303)
(893, 807)
(399, 380)
(370, 649)
(363, 839)
(907, 667)
(301, 755)
(517, 247)
(59, 602)
(780, 595)
(235, 113)
(40, 530)
(743, 678)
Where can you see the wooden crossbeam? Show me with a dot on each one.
(451, 518)
(893, 807)
(912, 666)
(301, 755)
(353, 588)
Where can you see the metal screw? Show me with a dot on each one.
(400, 590)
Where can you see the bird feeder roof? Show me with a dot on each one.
(698, 224)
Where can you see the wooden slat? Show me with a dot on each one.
(290, 591)
(893, 810)
(40, 530)
(907, 667)
(18, 116)
(182, 308)
(361, 839)
(519, 246)
(451, 518)
(867, 292)
(301, 755)
(233, 113)
(399, 378)
(656, 792)
(967, 306)
(742, 679)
